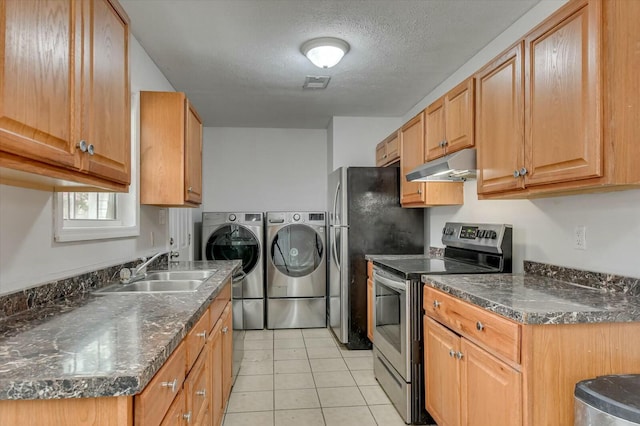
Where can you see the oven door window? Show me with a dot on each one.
(388, 316)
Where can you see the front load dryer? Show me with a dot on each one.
(239, 236)
(296, 270)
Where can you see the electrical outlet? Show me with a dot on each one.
(162, 217)
(580, 237)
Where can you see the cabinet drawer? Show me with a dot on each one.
(154, 401)
(218, 304)
(196, 339)
(485, 328)
(197, 388)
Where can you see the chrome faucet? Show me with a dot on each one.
(134, 274)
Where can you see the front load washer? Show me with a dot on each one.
(231, 236)
(296, 270)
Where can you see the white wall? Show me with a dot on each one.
(352, 140)
(254, 169)
(543, 229)
(28, 254)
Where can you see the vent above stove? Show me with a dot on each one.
(313, 82)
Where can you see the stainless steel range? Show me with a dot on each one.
(470, 248)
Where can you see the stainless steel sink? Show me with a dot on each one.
(178, 275)
(161, 282)
(155, 286)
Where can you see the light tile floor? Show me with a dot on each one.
(304, 377)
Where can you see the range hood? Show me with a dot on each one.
(458, 166)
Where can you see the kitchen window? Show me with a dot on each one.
(81, 216)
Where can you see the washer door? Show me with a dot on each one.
(297, 250)
(234, 242)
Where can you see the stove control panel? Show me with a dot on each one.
(476, 236)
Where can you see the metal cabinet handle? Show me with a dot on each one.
(202, 334)
(91, 149)
(445, 143)
(436, 304)
(419, 190)
(459, 355)
(187, 417)
(202, 393)
(172, 385)
(190, 189)
(452, 353)
(479, 326)
(225, 330)
(523, 171)
(516, 174)
(82, 145)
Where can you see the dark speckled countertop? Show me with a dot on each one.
(532, 299)
(96, 346)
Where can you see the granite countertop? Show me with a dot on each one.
(532, 299)
(97, 346)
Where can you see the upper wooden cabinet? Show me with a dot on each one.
(450, 122)
(65, 105)
(559, 112)
(388, 151)
(170, 150)
(422, 194)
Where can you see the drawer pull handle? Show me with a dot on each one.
(202, 334)
(479, 326)
(225, 330)
(187, 417)
(202, 393)
(436, 304)
(452, 353)
(82, 145)
(459, 355)
(90, 149)
(172, 385)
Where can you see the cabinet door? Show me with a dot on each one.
(411, 156)
(193, 156)
(39, 64)
(491, 390)
(459, 116)
(215, 355)
(564, 97)
(434, 137)
(227, 352)
(175, 414)
(381, 154)
(393, 149)
(442, 373)
(197, 387)
(106, 96)
(500, 122)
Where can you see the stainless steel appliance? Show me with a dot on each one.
(365, 218)
(398, 328)
(296, 270)
(239, 236)
(608, 401)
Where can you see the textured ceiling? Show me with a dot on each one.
(239, 61)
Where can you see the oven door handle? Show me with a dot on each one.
(396, 285)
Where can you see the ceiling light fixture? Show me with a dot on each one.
(325, 52)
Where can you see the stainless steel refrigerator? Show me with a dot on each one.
(365, 217)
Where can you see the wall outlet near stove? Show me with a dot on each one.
(580, 237)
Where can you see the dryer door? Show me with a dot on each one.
(235, 242)
(297, 262)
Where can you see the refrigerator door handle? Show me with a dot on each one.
(335, 205)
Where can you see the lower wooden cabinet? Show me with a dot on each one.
(227, 353)
(179, 394)
(473, 375)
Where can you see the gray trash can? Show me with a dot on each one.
(608, 401)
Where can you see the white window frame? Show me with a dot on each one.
(127, 223)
